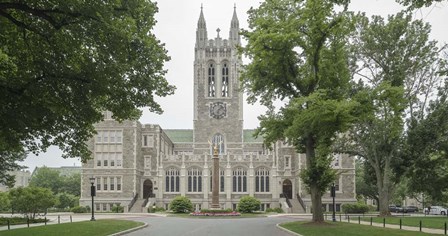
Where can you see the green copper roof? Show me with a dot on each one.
(186, 136)
(248, 136)
(180, 135)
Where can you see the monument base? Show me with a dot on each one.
(215, 207)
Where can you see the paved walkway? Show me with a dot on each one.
(179, 226)
(392, 226)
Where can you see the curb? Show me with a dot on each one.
(287, 230)
(130, 230)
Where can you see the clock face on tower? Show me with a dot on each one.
(218, 110)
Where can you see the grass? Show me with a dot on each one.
(87, 228)
(427, 222)
(346, 229)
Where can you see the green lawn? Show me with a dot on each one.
(87, 228)
(427, 222)
(346, 229)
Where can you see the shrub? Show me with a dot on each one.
(117, 209)
(355, 208)
(155, 209)
(5, 202)
(181, 204)
(248, 204)
(79, 209)
(278, 210)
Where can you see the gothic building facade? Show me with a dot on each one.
(139, 165)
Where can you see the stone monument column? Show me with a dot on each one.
(215, 180)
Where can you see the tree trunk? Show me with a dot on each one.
(384, 202)
(316, 202)
(383, 183)
(316, 195)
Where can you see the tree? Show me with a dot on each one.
(397, 62)
(47, 178)
(5, 202)
(298, 55)
(426, 150)
(365, 182)
(31, 200)
(71, 184)
(413, 4)
(66, 200)
(248, 204)
(64, 63)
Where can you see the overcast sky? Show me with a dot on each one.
(176, 27)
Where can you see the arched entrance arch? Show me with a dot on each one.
(147, 189)
(287, 188)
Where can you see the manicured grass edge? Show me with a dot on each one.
(130, 230)
(287, 230)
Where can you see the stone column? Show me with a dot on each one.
(215, 179)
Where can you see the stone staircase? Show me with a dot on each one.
(296, 207)
(292, 205)
(137, 207)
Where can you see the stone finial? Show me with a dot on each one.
(218, 30)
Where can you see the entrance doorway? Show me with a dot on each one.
(287, 188)
(147, 189)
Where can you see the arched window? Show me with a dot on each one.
(221, 180)
(194, 180)
(225, 81)
(172, 181)
(262, 180)
(239, 180)
(211, 80)
(218, 139)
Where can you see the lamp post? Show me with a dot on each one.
(92, 193)
(333, 195)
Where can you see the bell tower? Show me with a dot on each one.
(218, 101)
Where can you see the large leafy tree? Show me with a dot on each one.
(31, 200)
(426, 152)
(64, 62)
(47, 178)
(71, 184)
(52, 179)
(396, 60)
(298, 55)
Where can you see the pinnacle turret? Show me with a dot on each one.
(201, 31)
(234, 33)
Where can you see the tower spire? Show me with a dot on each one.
(201, 31)
(201, 21)
(234, 35)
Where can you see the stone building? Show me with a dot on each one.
(137, 165)
(22, 179)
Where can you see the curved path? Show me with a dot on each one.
(177, 226)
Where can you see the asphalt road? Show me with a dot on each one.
(177, 226)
